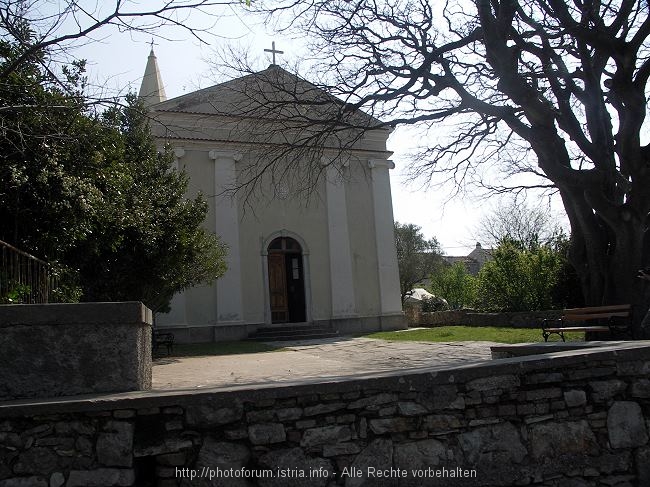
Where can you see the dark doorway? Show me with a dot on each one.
(286, 281)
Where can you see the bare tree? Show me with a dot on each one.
(554, 88)
(38, 26)
(515, 220)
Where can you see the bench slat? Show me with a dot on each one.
(599, 309)
(578, 328)
(595, 316)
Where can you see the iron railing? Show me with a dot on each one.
(24, 279)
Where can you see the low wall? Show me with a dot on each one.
(572, 419)
(49, 350)
(524, 319)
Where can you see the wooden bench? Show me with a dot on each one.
(615, 319)
(162, 338)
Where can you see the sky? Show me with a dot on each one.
(116, 63)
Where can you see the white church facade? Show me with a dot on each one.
(326, 258)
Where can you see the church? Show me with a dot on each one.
(304, 207)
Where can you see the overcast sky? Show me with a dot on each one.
(116, 63)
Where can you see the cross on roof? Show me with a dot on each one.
(153, 43)
(273, 51)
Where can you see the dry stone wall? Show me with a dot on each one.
(578, 419)
(518, 319)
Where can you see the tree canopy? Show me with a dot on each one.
(91, 194)
(552, 88)
(417, 257)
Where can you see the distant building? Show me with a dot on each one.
(474, 261)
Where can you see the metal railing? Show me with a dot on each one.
(24, 279)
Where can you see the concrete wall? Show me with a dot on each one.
(49, 350)
(574, 419)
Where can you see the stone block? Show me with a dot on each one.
(295, 462)
(172, 459)
(378, 454)
(642, 461)
(340, 449)
(236, 434)
(148, 411)
(540, 394)
(288, 414)
(625, 425)
(206, 415)
(544, 378)
(506, 410)
(575, 398)
(392, 425)
(266, 433)
(388, 411)
(500, 443)
(221, 455)
(84, 446)
(305, 423)
(324, 408)
(36, 460)
(101, 477)
(376, 400)
(57, 479)
(315, 437)
(554, 439)
(264, 416)
(24, 482)
(591, 372)
(421, 454)
(115, 445)
(74, 348)
(641, 388)
(124, 414)
(441, 422)
(606, 389)
(635, 367)
(495, 382)
(177, 410)
(346, 418)
(411, 408)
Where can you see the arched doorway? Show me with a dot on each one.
(286, 281)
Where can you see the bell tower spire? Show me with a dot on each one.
(152, 90)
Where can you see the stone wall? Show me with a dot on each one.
(574, 419)
(50, 350)
(524, 319)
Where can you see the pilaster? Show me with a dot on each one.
(388, 272)
(229, 286)
(340, 255)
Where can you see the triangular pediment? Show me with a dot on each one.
(273, 94)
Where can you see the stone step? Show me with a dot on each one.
(292, 332)
(290, 338)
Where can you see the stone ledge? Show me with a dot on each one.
(402, 380)
(523, 349)
(124, 313)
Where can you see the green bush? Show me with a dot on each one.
(519, 279)
(455, 284)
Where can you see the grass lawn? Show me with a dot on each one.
(474, 333)
(221, 348)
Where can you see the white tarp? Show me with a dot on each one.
(417, 295)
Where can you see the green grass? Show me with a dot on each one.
(474, 333)
(220, 348)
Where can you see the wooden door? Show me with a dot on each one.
(278, 288)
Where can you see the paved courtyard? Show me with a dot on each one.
(312, 360)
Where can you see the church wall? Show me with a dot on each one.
(362, 240)
(195, 307)
(309, 223)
